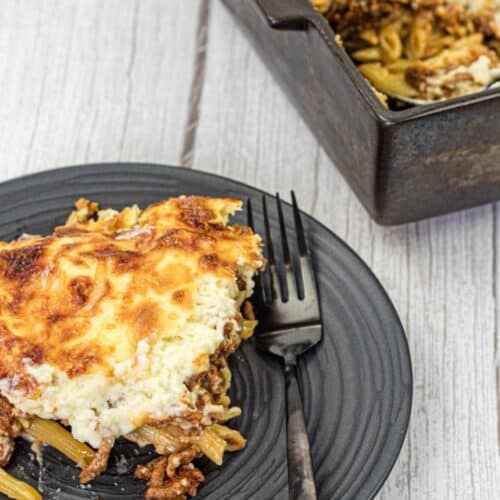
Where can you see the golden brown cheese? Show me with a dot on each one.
(83, 298)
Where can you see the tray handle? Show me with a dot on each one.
(295, 15)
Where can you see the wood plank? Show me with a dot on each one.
(94, 81)
(439, 273)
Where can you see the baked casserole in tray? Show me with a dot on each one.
(404, 163)
(420, 50)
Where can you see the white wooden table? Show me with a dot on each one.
(175, 82)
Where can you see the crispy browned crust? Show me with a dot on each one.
(46, 314)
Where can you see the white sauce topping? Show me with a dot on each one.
(149, 385)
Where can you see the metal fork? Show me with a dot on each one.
(290, 324)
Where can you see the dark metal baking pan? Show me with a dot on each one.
(403, 165)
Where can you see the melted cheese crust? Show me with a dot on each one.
(102, 322)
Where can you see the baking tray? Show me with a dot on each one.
(403, 165)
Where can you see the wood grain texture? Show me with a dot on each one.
(91, 81)
(439, 273)
(196, 84)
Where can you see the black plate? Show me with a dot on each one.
(357, 384)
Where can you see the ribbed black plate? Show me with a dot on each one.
(356, 384)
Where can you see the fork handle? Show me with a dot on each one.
(300, 471)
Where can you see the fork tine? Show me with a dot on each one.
(286, 251)
(304, 270)
(299, 228)
(250, 223)
(284, 239)
(270, 252)
(267, 228)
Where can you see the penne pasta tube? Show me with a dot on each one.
(369, 36)
(211, 445)
(367, 55)
(234, 440)
(390, 83)
(230, 413)
(248, 328)
(16, 489)
(54, 434)
(419, 37)
(400, 65)
(162, 440)
(391, 46)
